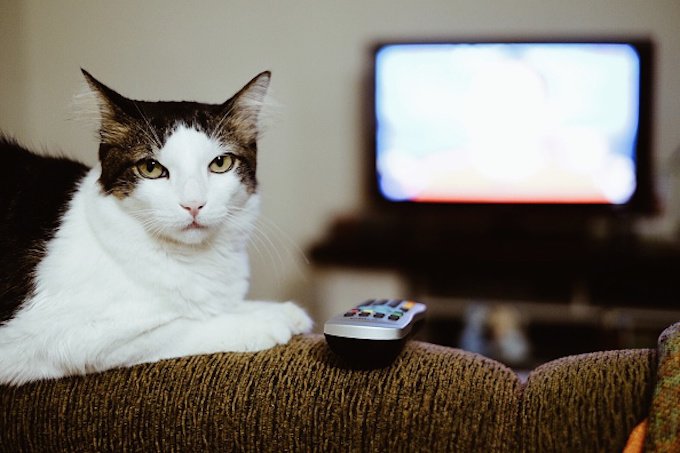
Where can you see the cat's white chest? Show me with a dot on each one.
(102, 255)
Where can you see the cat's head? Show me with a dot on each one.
(183, 169)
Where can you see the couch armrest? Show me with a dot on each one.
(664, 416)
(295, 397)
(588, 402)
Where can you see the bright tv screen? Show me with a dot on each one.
(506, 123)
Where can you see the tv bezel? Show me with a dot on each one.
(642, 202)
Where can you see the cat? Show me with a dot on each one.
(142, 257)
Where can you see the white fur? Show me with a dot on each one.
(126, 282)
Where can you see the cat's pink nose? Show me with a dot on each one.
(193, 208)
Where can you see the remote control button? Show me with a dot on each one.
(394, 303)
(365, 313)
(394, 317)
(368, 303)
(379, 315)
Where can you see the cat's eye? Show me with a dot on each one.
(151, 169)
(222, 164)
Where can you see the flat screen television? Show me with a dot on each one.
(559, 125)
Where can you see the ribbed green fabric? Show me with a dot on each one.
(587, 402)
(664, 417)
(295, 398)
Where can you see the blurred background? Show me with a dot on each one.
(313, 154)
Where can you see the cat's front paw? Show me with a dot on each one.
(276, 324)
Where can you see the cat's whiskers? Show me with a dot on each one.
(154, 228)
(148, 219)
(276, 241)
(274, 253)
(256, 244)
(293, 256)
(258, 240)
(286, 237)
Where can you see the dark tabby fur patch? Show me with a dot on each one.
(34, 193)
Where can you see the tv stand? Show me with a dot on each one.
(598, 276)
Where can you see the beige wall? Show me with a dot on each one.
(311, 157)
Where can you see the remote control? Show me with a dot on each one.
(372, 334)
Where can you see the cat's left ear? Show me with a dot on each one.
(243, 109)
(112, 105)
(117, 111)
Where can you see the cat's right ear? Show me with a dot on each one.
(243, 109)
(115, 109)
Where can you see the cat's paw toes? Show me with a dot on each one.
(298, 320)
(282, 335)
(277, 324)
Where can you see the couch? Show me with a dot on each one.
(301, 398)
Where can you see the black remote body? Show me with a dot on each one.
(372, 334)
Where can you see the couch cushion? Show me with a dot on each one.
(296, 397)
(587, 402)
